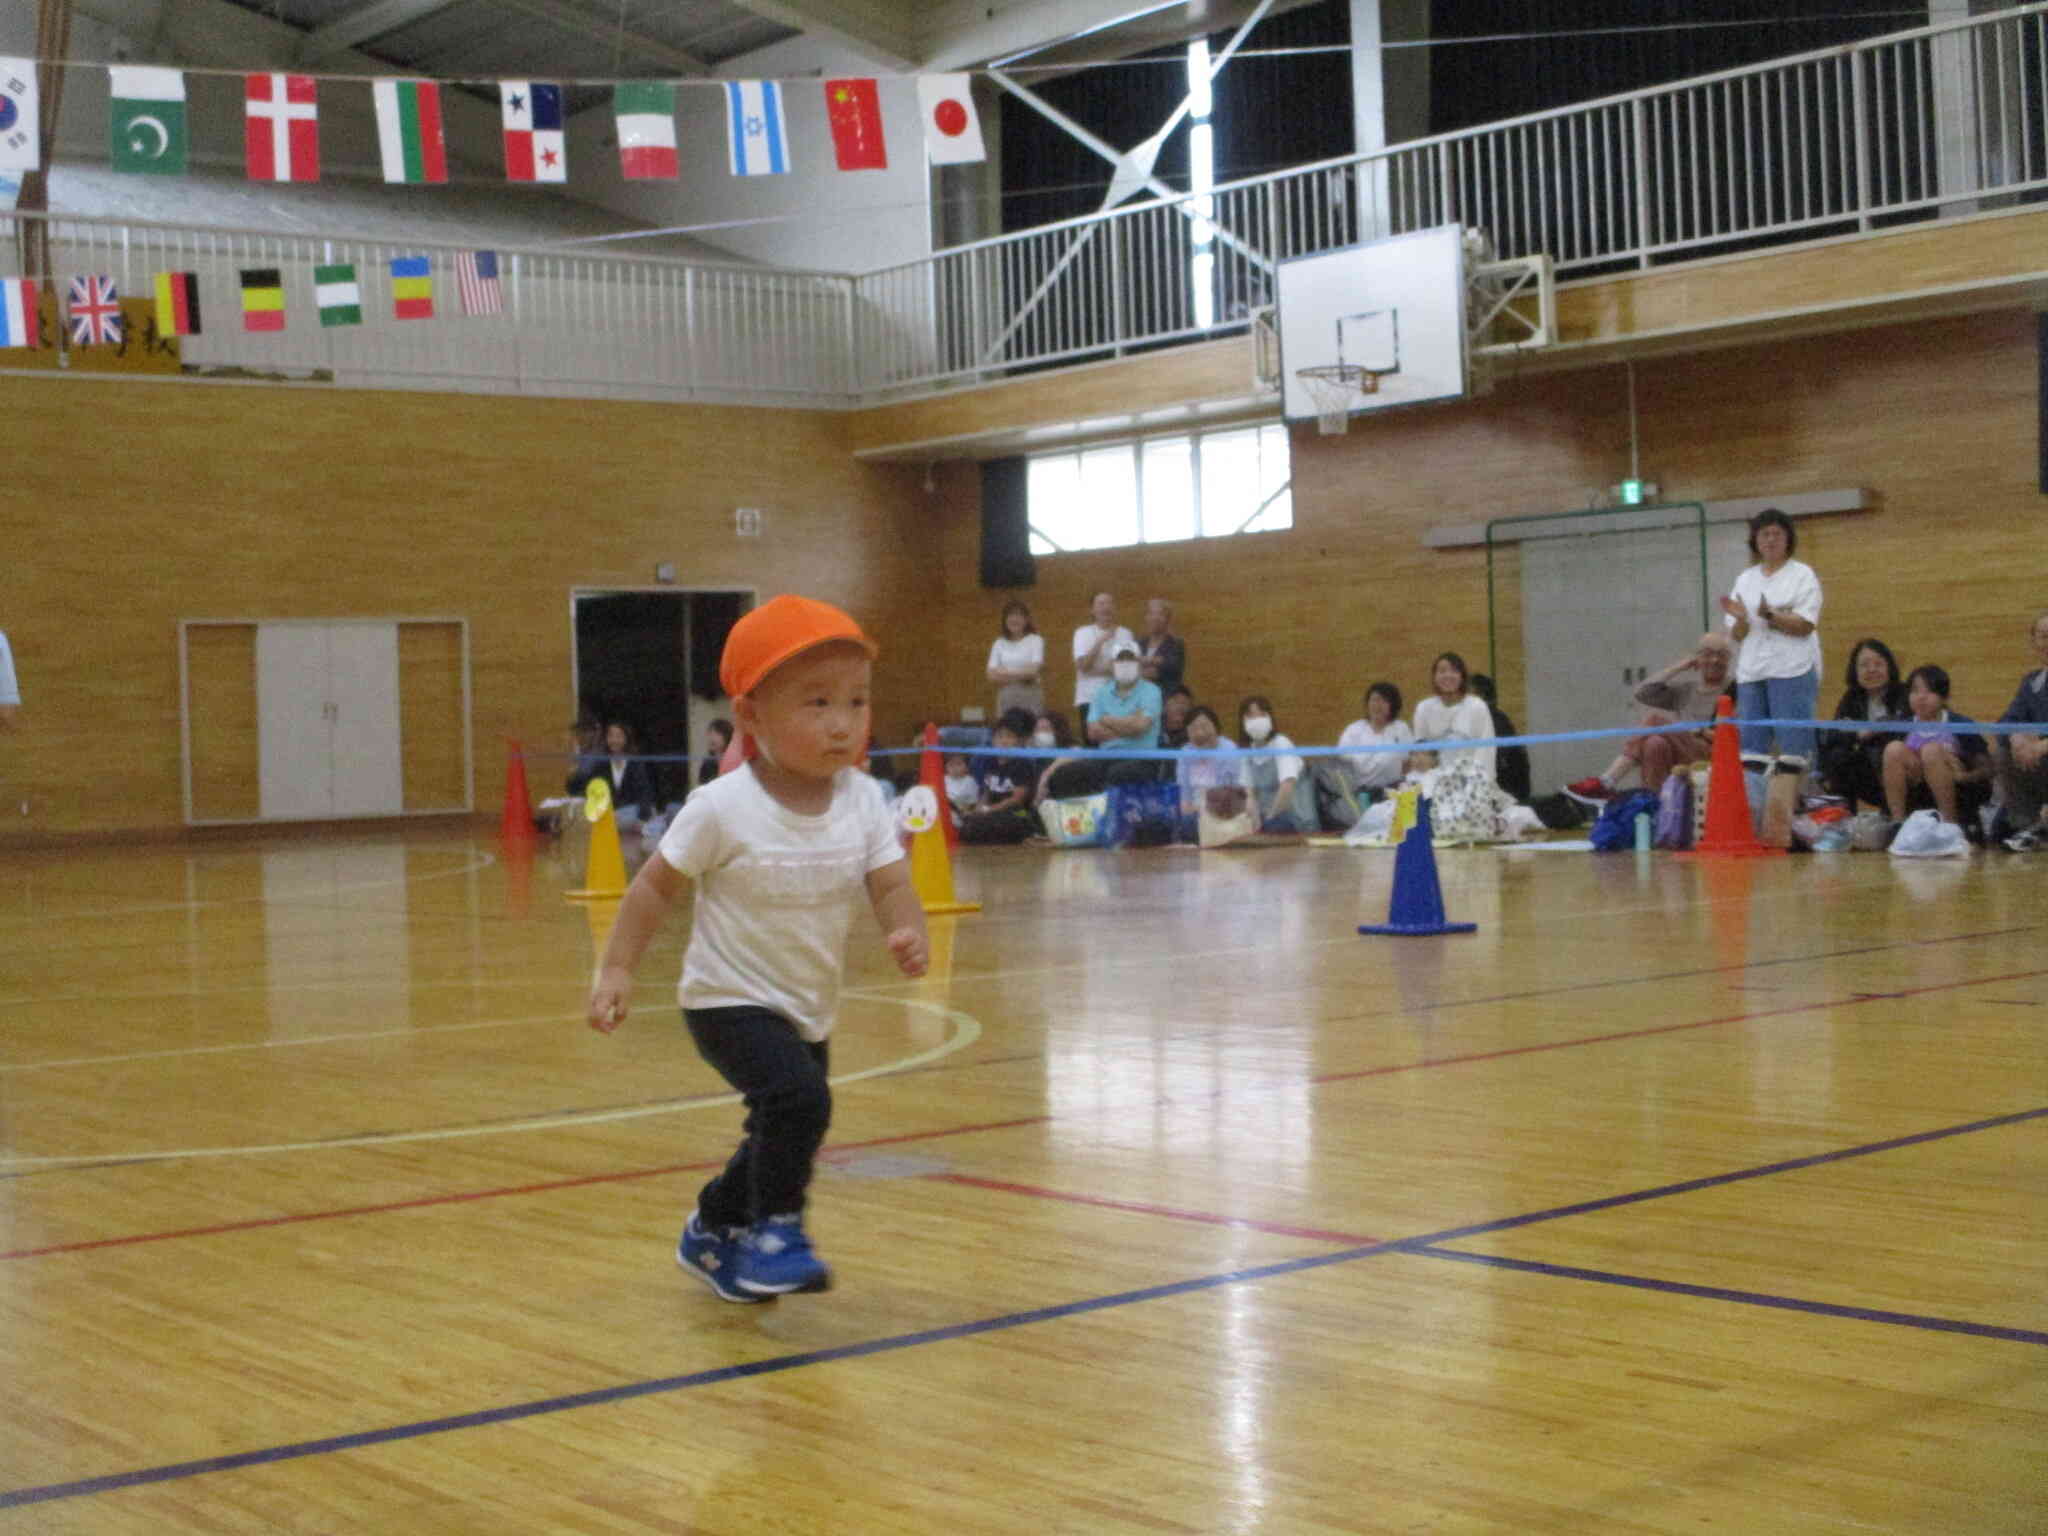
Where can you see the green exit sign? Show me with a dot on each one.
(1632, 493)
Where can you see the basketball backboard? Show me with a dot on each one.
(1394, 308)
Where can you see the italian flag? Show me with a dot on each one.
(409, 130)
(647, 130)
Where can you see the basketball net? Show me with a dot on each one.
(1336, 388)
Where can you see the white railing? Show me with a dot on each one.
(1932, 123)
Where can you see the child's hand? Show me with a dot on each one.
(608, 1001)
(911, 950)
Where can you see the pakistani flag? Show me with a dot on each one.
(340, 299)
(147, 124)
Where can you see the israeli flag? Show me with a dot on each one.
(760, 147)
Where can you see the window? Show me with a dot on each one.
(1160, 489)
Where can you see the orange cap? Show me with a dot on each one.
(777, 630)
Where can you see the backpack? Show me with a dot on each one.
(1673, 828)
(1615, 831)
(1337, 806)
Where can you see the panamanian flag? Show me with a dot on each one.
(534, 146)
(95, 311)
(754, 129)
(17, 312)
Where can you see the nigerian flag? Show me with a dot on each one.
(338, 294)
(147, 120)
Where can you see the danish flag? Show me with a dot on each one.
(282, 133)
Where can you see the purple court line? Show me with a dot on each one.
(82, 1487)
(1744, 1298)
(1146, 1208)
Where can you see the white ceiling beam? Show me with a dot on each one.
(362, 24)
(1025, 29)
(669, 57)
(891, 46)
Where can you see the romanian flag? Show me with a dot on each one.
(262, 299)
(177, 303)
(412, 288)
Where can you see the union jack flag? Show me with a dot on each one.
(95, 311)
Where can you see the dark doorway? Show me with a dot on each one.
(650, 659)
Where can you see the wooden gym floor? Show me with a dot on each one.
(1680, 1198)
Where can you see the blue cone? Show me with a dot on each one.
(1418, 904)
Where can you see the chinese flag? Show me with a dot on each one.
(855, 112)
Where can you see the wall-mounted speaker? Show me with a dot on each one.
(1006, 559)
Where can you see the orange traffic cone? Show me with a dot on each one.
(515, 829)
(931, 772)
(1730, 832)
(604, 869)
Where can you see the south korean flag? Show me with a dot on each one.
(20, 142)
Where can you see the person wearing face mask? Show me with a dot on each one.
(1279, 786)
(1122, 717)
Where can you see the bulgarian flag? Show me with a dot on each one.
(646, 113)
(409, 130)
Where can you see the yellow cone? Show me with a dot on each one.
(931, 872)
(604, 871)
(602, 911)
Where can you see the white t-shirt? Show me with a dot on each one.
(776, 892)
(1026, 654)
(1435, 720)
(1766, 652)
(1085, 639)
(10, 691)
(1377, 770)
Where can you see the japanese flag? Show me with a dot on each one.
(952, 128)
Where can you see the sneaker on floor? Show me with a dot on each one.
(775, 1258)
(1594, 791)
(713, 1257)
(2032, 840)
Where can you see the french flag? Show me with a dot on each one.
(18, 312)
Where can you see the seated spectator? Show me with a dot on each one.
(1934, 760)
(2022, 760)
(1511, 764)
(1453, 711)
(1049, 733)
(1008, 786)
(1377, 772)
(630, 780)
(1852, 762)
(1122, 717)
(1281, 794)
(717, 737)
(1198, 775)
(1173, 723)
(963, 789)
(1691, 688)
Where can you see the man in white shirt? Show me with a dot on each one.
(10, 693)
(1095, 646)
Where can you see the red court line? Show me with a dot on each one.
(1144, 1208)
(832, 1153)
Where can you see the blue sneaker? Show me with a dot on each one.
(713, 1258)
(775, 1258)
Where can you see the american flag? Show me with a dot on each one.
(476, 279)
(95, 311)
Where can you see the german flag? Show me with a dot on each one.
(177, 303)
(262, 299)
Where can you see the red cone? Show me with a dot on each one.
(515, 830)
(931, 772)
(1730, 833)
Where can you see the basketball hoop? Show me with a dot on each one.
(1336, 388)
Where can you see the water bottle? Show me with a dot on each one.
(1642, 831)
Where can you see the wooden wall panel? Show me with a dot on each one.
(205, 501)
(1938, 419)
(430, 714)
(226, 768)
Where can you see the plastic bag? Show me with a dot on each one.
(1615, 831)
(1079, 823)
(1869, 831)
(1673, 827)
(1143, 815)
(1924, 835)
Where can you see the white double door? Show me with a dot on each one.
(328, 721)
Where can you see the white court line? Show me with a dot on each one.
(483, 861)
(276, 1045)
(36, 999)
(967, 1030)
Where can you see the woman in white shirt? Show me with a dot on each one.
(1280, 789)
(1382, 726)
(1016, 661)
(1774, 619)
(1455, 711)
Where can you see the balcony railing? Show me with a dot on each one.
(1938, 122)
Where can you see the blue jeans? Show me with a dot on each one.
(1778, 698)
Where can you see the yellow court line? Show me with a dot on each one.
(967, 1030)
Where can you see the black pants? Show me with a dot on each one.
(781, 1076)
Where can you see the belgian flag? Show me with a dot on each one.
(262, 299)
(177, 303)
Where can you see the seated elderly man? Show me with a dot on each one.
(1689, 689)
(2022, 764)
